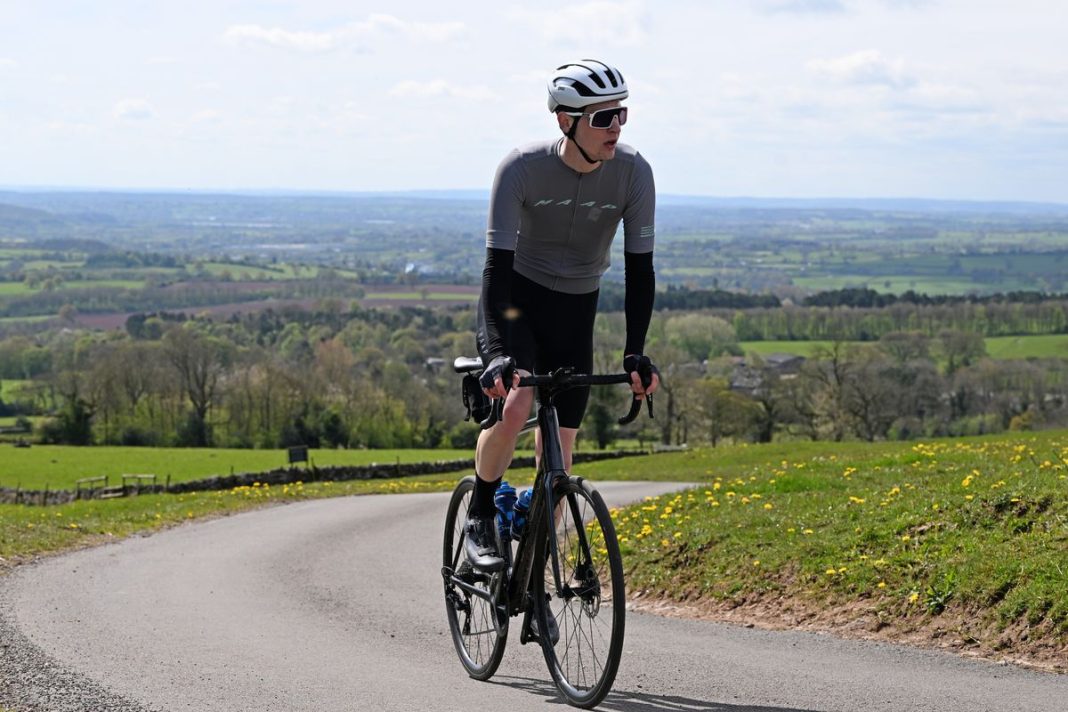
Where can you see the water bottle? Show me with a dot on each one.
(520, 509)
(504, 498)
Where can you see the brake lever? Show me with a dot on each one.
(496, 413)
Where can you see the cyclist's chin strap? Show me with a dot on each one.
(571, 136)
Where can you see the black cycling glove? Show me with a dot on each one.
(643, 366)
(502, 366)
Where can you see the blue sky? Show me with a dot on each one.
(793, 98)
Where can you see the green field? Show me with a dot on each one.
(15, 289)
(1018, 347)
(800, 348)
(9, 387)
(997, 347)
(59, 467)
(901, 283)
(418, 296)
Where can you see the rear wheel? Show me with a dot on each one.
(479, 627)
(580, 597)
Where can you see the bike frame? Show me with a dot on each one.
(541, 517)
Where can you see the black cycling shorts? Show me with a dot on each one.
(549, 330)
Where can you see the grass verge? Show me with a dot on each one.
(965, 541)
(30, 531)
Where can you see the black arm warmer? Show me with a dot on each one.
(496, 298)
(638, 304)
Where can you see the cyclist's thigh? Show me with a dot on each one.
(517, 335)
(562, 327)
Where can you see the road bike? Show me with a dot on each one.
(565, 575)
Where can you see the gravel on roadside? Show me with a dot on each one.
(31, 681)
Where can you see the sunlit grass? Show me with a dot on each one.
(977, 527)
(59, 467)
(27, 531)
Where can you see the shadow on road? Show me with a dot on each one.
(626, 701)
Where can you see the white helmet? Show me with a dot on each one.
(576, 85)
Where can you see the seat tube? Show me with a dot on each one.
(551, 450)
(553, 463)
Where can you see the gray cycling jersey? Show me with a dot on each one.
(560, 222)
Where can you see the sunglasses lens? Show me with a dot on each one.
(603, 119)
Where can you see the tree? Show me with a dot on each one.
(701, 336)
(905, 346)
(960, 348)
(719, 412)
(869, 396)
(199, 362)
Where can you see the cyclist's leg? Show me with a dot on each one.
(565, 339)
(493, 453)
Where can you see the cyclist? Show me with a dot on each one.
(554, 210)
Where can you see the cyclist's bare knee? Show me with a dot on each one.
(516, 412)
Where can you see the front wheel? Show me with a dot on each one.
(580, 599)
(478, 624)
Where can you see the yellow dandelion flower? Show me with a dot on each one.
(906, 538)
(882, 584)
(768, 505)
(830, 572)
(914, 596)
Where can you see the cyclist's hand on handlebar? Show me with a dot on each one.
(644, 376)
(499, 372)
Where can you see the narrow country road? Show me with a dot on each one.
(336, 605)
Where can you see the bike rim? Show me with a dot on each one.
(588, 613)
(471, 618)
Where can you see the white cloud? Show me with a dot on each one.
(440, 87)
(594, 23)
(277, 37)
(72, 128)
(207, 116)
(867, 67)
(802, 6)
(133, 110)
(6, 63)
(355, 34)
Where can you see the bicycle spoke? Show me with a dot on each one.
(588, 613)
(478, 636)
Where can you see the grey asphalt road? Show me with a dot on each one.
(336, 605)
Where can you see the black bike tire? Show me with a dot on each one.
(593, 694)
(454, 520)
